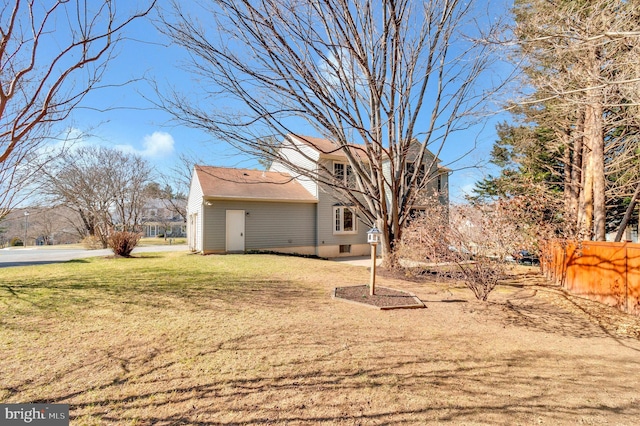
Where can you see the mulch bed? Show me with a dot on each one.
(385, 298)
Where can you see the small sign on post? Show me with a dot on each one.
(373, 238)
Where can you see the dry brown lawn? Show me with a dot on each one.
(176, 339)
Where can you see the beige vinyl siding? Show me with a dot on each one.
(432, 185)
(194, 206)
(386, 172)
(304, 157)
(268, 225)
(443, 196)
(326, 223)
(213, 226)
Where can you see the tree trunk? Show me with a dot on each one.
(593, 189)
(594, 123)
(575, 178)
(599, 185)
(627, 214)
(585, 213)
(569, 188)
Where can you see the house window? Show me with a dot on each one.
(345, 248)
(344, 220)
(410, 169)
(344, 173)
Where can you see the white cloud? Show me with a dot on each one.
(156, 145)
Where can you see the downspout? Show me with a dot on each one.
(316, 231)
(317, 216)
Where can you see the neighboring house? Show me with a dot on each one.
(160, 220)
(237, 210)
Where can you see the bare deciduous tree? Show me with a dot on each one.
(17, 175)
(106, 187)
(52, 54)
(383, 81)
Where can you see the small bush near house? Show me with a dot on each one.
(92, 243)
(16, 242)
(123, 242)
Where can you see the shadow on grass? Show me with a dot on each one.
(158, 294)
(317, 389)
(547, 308)
(282, 367)
(154, 280)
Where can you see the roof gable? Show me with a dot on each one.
(244, 184)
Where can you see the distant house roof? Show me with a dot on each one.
(243, 184)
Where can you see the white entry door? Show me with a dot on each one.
(235, 230)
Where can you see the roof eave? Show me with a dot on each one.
(261, 199)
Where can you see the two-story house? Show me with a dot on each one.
(163, 218)
(282, 210)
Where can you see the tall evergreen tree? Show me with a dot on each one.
(581, 58)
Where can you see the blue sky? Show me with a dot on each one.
(121, 116)
(125, 117)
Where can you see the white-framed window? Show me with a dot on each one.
(344, 220)
(410, 169)
(344, 172)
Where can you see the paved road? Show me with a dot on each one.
(40, 256)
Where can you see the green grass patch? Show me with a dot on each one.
(146, 279)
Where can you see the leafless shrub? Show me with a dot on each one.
(472, 244)
(123, 242)
(481, 277)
